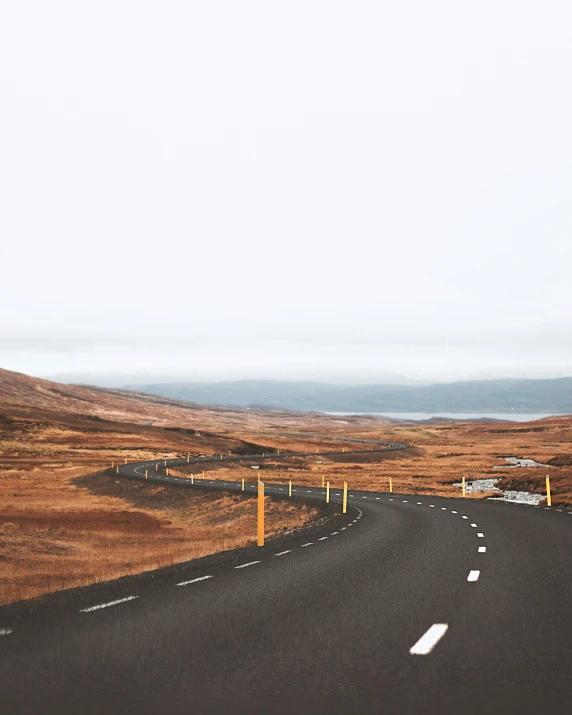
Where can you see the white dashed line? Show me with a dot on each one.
(250, 563)
(482, 549)
(308, 544)
(333, 533)
(106, 605)
(453, 512)
(443, 508)
(473, 576)
(481, 535)
(343, 528)
(323, 538)
(193, 580)
(378, 498)
(474, 526)
(464, 517)
(429, 640)
(405, 501)
(281, 553)
(432, 506)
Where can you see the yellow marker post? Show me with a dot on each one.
(165, 463)
(221, 455)
(327, 492)
(117, 469)
(260, 513)
(203, 475)
(192, 479)
(146, 474)
(345, 502)
(157, 467)
(243, 484)
(464, 486)
(188, 458)
(290, 488)
(548, 497)
(390, 485)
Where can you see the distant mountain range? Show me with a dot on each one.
(484, 396)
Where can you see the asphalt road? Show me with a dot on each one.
(407, 604)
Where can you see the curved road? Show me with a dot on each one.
(406, 604)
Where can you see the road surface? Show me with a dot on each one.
(407, 604)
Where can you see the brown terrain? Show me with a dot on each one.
(64, 523)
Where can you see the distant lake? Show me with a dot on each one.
(510, 416)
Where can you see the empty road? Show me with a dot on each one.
(406, 604)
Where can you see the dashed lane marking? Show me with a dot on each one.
(453, 512)
(482, 549)
(481, 535)
(310, 543)
(474, 526)
(106, 605)
(333, 533)
(464, 517)
(323, 538)
(281, 553)
(193, 580)
(473, 575)
(429, 640)
(250, 563)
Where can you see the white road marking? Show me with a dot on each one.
(106, 605)
(432, 506)
(323, 538)
(453, 512)
(343, 528)
(420, 502)
(193, 580)
(474, 526)
(333, 533)
(482, 549)
(390, 499)
(405, 501)
(5, 631)
(473, 575)
(481, 535)
(429, 640)
(378, 498)
(464, 517)
(443, 508)
(309, 491)
(350, 524)
(310, 543)
(364, 497)
(281, 553)
(250, 563)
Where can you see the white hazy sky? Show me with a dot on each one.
(334, 190)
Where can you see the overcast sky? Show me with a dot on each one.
(332, 190)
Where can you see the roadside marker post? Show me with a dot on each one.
(192, 479)
(464, 487)
(243, 484)
(203, 474)
(188, 458)
(117, 469)
(260, 513)
(157, 467)
(548, 496)
(290, 488)
(146, 474)
(390, 485)
(165, 463)
(327, 492)
(345, 502)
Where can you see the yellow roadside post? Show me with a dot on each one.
(345, 502)
(192, 478)
(464, 486)
(260, 513)
(290, 488)
(390, 485)
(203, 474)
(221, 455)
(548, 497)
(117, 469)
(188, 458)
(327, 492)
(243, 484)
(157, 467)
(165, 463)
(146, 474)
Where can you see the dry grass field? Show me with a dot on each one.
(63, 523)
